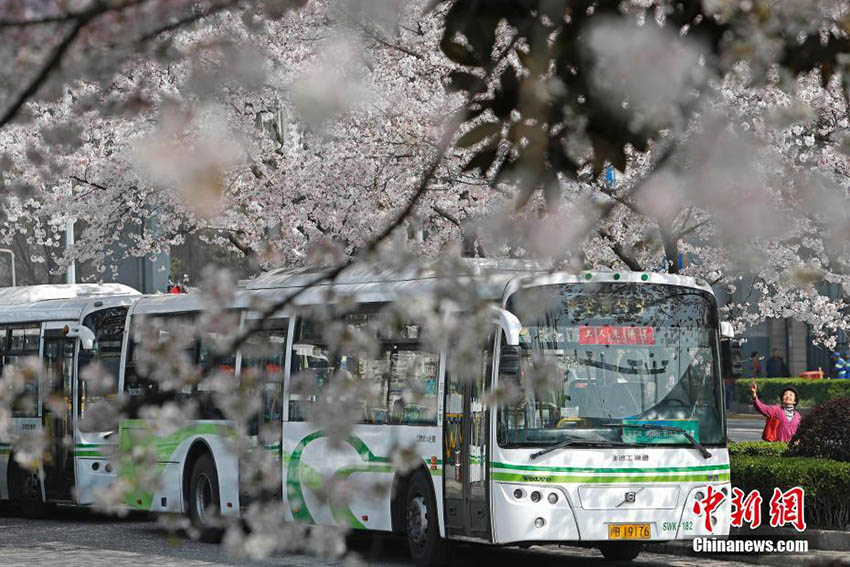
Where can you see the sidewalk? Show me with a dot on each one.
(825, 547)
(812, 557)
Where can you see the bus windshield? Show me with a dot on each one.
(598, 361)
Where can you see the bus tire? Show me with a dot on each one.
(204, 504)
(620, 551)
(421, 523)
(25, 492)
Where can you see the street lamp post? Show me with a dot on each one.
(12, 254)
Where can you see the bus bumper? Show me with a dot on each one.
(567, 513)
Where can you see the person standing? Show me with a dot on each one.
(785, 413)
(729, 383)
(755, 364)
(775, 366)
(839, 365)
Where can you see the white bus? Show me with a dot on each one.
(611, 436)
(66, 327)
(614, 434)
(616, 431)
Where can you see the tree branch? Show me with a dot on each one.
(686, 231)
(244, 248)
(80, 20)
(191, 18)
(620, 251)
(671, 248)
(48, 67)
(59, 18)
(446, 215)
(87, 182)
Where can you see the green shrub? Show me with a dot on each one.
(824, 433)
(812, 392)
(826, 483)
(757, 448)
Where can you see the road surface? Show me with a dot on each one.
(78, 537)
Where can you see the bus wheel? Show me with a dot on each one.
(25, 492)
(423, 531)
(620, 551)
(204, 504)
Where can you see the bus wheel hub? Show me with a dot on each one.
(417, 520)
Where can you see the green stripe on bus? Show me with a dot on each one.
(299, 473)
(136, 432)
(594, 479)
(607, 469)
(89, 454)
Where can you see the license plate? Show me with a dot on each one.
(628, 531)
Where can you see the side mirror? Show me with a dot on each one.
(85, 335)
(509, 361)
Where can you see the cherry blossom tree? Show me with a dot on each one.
(327, 131)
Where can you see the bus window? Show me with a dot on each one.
(310, 373)
(141, 377)
(398, 384)
(413, 385)
(208, 343)
(265, 353)
(19, 343)
(108, 328)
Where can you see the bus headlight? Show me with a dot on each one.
(517, 493)
(535, 496)
(552, 498)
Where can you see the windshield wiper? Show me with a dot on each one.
(573, 442)
(649, 426)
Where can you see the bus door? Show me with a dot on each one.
(466, 452)
(57, 413)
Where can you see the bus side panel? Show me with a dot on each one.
(21, 426)
(171, 451)
(350, 483)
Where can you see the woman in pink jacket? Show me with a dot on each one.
(786, 413)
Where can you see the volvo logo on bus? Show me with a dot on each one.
(630, 497)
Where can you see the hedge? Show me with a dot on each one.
(811, 392)
(826, 483)
(757, 449)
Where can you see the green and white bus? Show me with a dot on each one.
(615, 432)
(61, 328)
(592, 414)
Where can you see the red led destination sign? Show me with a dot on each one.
(610, 335)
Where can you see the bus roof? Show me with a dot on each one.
(70, 309)
(34, 293)
(494, 279)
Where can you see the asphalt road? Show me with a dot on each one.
(744, 428)
(78, 537)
